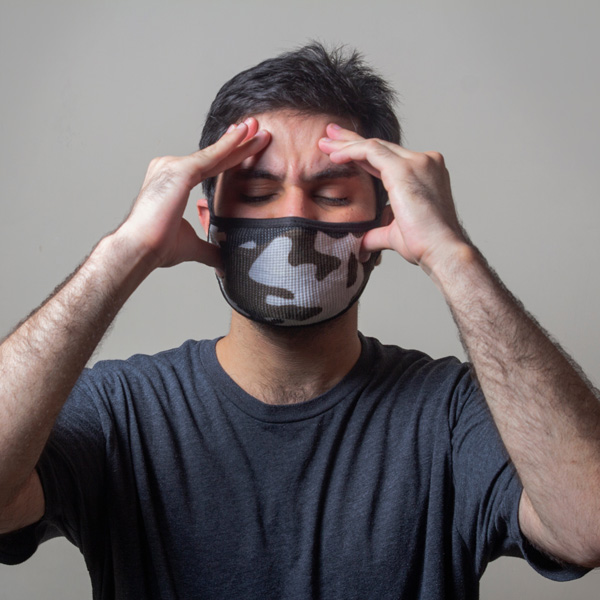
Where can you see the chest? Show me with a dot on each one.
(324, 505)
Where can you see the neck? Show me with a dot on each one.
(286, 365)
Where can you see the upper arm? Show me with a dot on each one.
(27, 508)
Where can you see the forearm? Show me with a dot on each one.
(42, 359)
(546, 412)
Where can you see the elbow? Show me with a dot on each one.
(588, 558)
(582, 553)
(24, 508)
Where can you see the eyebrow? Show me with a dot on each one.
(333, 172)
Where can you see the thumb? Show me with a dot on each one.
(206, 253)
(191, 248)
(373, 241)
(378, 239)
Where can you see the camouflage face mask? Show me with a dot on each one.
(291, 271)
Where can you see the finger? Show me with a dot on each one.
(207, 253)
(250, 147)
(337, 132)
(252, 127)
(233, 137)
(370, 152)
(353, 138)
(190, 247)
(376, 239)
(388, 237)
(328, 146)
(227, 152)
(252, 124)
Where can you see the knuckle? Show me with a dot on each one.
(163, 179)
(434, 158)
(154, 163)
(424, 161)
(209, 150)
(375, 145)
(160, 163)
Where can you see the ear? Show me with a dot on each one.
(203, 213)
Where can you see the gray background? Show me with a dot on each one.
(507, 91)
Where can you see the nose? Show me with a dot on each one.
(296, 202)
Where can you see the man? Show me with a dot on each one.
(295, 458)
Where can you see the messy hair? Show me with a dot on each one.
(313, 81)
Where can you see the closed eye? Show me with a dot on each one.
(256, 199)
(333, 201)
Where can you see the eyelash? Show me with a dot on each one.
(251, 199)
(258, 199)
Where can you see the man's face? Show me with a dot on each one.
(291, 177)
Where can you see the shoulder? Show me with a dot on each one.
(443, 385)
(415, 367)
(180, 361)
(189, 352)
(166, 375)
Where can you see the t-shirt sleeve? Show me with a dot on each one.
(72, 472)
(488, 489)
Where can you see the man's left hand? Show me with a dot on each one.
(421, 222)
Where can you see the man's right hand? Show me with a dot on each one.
(42, 359)
(156, 222)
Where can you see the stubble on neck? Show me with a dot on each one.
(289, 365)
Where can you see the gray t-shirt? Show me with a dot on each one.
(175, 483)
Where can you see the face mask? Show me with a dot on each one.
(291, 271)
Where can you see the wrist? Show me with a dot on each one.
(454, 264)
(118, 259)
(447, 261)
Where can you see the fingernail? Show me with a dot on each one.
(326, 139)
(240, 125)
(335, 126)
(248, 121)
(230, 128)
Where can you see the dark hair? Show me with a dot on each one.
(309, 80)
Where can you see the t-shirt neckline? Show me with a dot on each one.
(352, 383)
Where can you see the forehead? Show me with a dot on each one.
(293, 160)
(293, 148)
